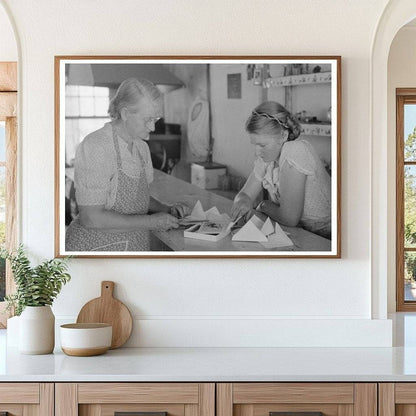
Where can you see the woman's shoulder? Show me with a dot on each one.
(98, 139)
(299, 154)
(296, 149)
(295, 145)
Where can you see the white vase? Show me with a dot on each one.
(13, 331)
(37, 330)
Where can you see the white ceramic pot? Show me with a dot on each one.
(37, 330)
(13, 331)
(85, 339)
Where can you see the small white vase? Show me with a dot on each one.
(13, 331)
(37, 330)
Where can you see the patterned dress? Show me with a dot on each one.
(299, 154)
(98, 183)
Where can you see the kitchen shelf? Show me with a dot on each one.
(291, 81)
(303, 79)
(316, 129)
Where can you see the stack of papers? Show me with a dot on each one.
(211, 225)
(198, 215)
(207, 225)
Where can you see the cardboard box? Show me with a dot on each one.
(205, 175)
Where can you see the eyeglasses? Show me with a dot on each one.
(147, 120)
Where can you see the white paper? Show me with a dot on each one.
(199, 217)
(249, 232)
(267, 227)
(263, 232)
(278, 239)
(197, 214)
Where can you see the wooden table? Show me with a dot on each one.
(169, 189)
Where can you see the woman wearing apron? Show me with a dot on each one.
(113, 170)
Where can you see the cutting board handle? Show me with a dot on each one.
(107, 289)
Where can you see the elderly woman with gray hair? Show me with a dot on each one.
(290, 169)
(113, 170)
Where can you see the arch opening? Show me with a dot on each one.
(396, 15)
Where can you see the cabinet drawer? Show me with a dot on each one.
(138, 393)
(293, 392)
(296, 399)
(19, 393)
(105, 399)
(21, 399)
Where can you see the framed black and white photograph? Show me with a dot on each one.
(198, 156)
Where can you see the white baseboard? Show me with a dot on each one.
(258, 332)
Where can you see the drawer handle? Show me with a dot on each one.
(138, 414)
(296, 414)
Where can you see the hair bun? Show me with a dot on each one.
(294, 127)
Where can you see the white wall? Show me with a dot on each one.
(232, 146)
(401, 74)
(270, 302)
(8, 47)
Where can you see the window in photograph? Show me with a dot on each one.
(86, 110)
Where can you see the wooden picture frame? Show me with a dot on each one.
(201, 151)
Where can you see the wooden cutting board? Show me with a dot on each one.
(107, 309)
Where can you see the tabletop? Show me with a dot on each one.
(169, 189)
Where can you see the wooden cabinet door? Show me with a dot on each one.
(296, 399)
(397, 399)
(106, 399)
(27, 399)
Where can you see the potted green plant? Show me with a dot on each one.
(36, 289)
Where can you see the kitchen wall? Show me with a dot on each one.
(232, 146)
(270, 302)
(401, 74)
(177, 105)
(8, 46)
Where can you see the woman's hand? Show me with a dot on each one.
(179, 210)
(242, 206)
(161, 221)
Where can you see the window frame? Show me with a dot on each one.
(8, 113)
(403, 96)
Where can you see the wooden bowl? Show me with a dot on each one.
(84, 340)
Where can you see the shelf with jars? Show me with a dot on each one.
(316, 129)
(302, 79)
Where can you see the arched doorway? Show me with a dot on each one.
(396, 14)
